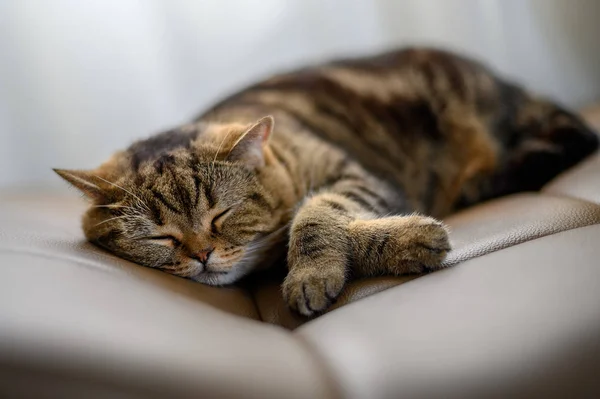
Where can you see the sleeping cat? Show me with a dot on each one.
(333, 167)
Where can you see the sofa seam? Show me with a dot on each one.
(259, 313)
(520, 243)
(334, 387)
(545, 193)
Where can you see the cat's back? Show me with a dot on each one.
(371, 100)
(382, 79)
(416, 117)
(382, 109)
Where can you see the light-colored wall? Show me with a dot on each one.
(79, 79)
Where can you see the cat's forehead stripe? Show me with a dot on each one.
(154, 147)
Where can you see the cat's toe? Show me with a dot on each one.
(309, 293)
(431, 245)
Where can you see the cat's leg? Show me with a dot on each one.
(340, 231)
(319, 253)
(398, 245)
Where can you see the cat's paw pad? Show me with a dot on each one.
(310, 292)
(430, 243)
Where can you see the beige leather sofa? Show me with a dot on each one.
(518, 314)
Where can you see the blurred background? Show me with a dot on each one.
(80, 79)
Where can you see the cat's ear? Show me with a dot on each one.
(249, 147)
(91, 185)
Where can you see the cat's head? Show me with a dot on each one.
(196, 202)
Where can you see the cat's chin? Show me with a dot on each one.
(220, 278)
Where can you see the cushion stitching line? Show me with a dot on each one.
(521, 242)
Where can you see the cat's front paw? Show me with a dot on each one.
(427, 243)
(310, 291)
(399, 245)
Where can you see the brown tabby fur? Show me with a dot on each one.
(361, 149)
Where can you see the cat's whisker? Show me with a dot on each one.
(259, 245)
(111, 219)
(127, 191)
(114, 206)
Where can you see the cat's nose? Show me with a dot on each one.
(203, 255)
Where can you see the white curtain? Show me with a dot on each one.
(79, 79)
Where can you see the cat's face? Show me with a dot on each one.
(183, 211)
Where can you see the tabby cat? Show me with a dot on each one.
(333, 167)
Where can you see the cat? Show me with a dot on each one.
(344, 169)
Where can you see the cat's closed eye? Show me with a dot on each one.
(166, 240)
(215, 224)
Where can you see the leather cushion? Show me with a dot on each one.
(512, 220)
(522, 322)
(79, 328)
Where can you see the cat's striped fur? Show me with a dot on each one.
(359, 150)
